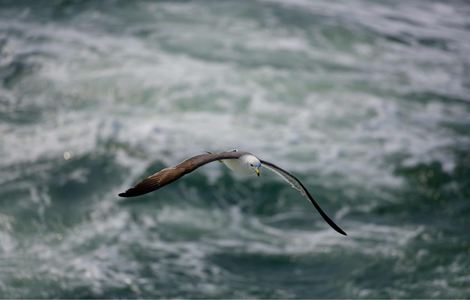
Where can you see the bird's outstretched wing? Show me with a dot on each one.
(295, 183)
(168, 175)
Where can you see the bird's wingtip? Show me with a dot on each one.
(122, 195)
(341, 231)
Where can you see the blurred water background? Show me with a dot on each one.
(368, 102)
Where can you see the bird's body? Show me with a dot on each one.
(234, 165)
(244, 164)
(239, 161)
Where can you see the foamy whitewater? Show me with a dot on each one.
(367, 102)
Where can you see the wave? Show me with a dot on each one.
(366, 102)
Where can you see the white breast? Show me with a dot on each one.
(237, 166)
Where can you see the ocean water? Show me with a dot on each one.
(367, 102)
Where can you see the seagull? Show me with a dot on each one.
(238, 161)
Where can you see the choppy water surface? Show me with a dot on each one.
(368, 102)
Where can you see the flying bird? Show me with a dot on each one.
(238, 161)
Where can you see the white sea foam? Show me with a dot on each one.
(342, 101)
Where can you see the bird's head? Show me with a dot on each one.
(252, 162)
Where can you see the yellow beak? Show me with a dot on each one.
(257, 171)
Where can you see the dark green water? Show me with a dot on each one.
(368, 102)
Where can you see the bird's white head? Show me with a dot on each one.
(251, 162)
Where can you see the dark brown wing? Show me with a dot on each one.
(168, 175)
(292, 180)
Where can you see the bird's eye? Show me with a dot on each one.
(251, 165)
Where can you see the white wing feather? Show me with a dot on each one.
(286, 177)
